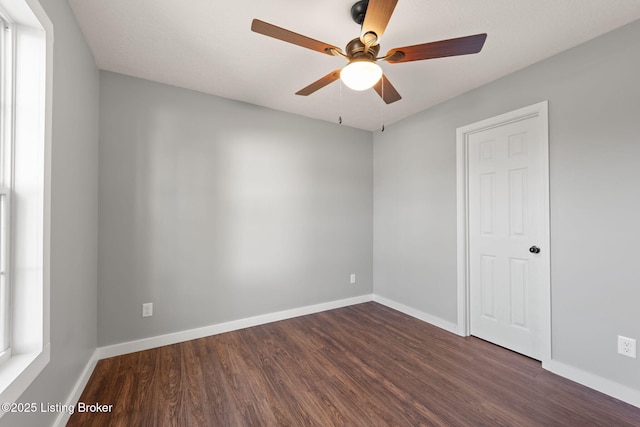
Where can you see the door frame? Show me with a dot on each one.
(462, 165)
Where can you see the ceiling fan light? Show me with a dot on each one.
(361, 75)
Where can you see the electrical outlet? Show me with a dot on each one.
(147, 309)
(352, 279)
(627, 346)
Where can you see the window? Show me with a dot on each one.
(26, 46)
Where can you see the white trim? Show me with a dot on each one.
(595, 382)
(537, 110)
(63, 417)
(31, 312)
(20, 371)
(234, 325)
(462, 239)
(420, 315)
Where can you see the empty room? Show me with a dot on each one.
(284, 213)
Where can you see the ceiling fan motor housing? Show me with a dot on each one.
(356, 50)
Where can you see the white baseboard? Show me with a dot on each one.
(234, 325)
(72, 400)
(425, 317)
(603, 385)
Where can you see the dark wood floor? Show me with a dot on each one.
(364, 365)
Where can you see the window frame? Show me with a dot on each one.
(27, 172)
(7, 100)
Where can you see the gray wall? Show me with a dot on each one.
(216, 210)
(594, 110)
(74, 217)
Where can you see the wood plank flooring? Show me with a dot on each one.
(364, 365)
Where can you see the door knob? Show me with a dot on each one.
(534, 250)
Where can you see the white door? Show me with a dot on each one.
(506, 231)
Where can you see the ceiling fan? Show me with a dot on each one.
(362, 72)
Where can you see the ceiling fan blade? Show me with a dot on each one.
(271, 30)
(319, 84)
(377, 16)
(452, 47)
(386, 90)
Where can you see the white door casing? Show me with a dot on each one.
(503, 211)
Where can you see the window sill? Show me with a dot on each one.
(17, 373)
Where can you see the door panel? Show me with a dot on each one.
(517, 202)
(519, 284)
(487, 204)
(488, 284)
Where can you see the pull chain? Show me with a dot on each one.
(382, 105)
(340, 108)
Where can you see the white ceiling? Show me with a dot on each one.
(207, 45)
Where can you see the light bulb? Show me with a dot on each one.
(361, 75)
